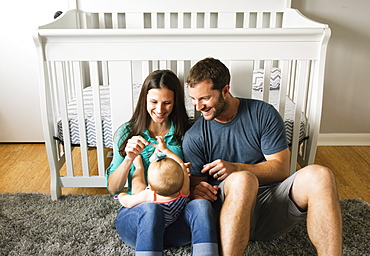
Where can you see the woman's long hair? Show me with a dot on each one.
(140, 119)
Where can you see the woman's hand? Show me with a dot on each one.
(135, 146)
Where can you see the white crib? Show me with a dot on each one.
(94, 57)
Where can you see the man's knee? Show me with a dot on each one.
(313, 181)
(317, 176)
(241, 183)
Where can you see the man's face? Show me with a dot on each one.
(209, 102)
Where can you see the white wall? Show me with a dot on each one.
(20, 119)
(346, 107)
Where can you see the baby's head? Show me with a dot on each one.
(165, 177)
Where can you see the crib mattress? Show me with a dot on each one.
(107, 123)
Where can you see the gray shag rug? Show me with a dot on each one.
(33, 224)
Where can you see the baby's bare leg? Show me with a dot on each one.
(138, 180)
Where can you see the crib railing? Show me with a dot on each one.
(91, 46)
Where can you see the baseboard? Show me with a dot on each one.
(344, 139)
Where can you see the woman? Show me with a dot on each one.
(160, 111)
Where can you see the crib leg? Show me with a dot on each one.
(55, 189)
(55, 192)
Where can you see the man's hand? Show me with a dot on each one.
(206, 191)
(219, 169)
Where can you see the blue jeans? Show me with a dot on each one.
(142, 227)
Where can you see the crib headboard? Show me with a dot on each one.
(119, 42)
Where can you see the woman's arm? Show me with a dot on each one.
(117, 179)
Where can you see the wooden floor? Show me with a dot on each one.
(24, 168)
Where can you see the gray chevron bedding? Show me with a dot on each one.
(89, 119)
(106, 117)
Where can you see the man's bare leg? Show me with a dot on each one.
(240, 193)
(314, 189)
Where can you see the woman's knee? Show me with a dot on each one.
(200, 211)
(146, 214)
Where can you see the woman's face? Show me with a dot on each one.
(160, 103)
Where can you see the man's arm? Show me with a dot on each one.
(274, 169)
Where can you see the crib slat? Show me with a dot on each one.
(54, 97)
(273, 20)
(163, 64)
(104, 70)
(207, 20)
(259, 20)
(314, 113)
(284, 78)
(120, 75)
(115, 24)
(180, 20)
(180, 71)
(302, 78)
(307, 108)
(226, 20)
(241, 78)
(77, 69)
(134, 20)
(82, 20)
(266, 80)
(94, 77)
(246, 20)
(61, 85)
(167, 20)
(101, 20)
(144, 70)
(193, 20)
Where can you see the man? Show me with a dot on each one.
(240, 162)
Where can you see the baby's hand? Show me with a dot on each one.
(161, 144)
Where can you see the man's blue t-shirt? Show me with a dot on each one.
(255, 131)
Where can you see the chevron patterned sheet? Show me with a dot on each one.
(257, 82)
(89, 119)
(106, 117)
(257, 85)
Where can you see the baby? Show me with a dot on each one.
(168, 179)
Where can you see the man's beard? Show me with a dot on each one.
(219, 108)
